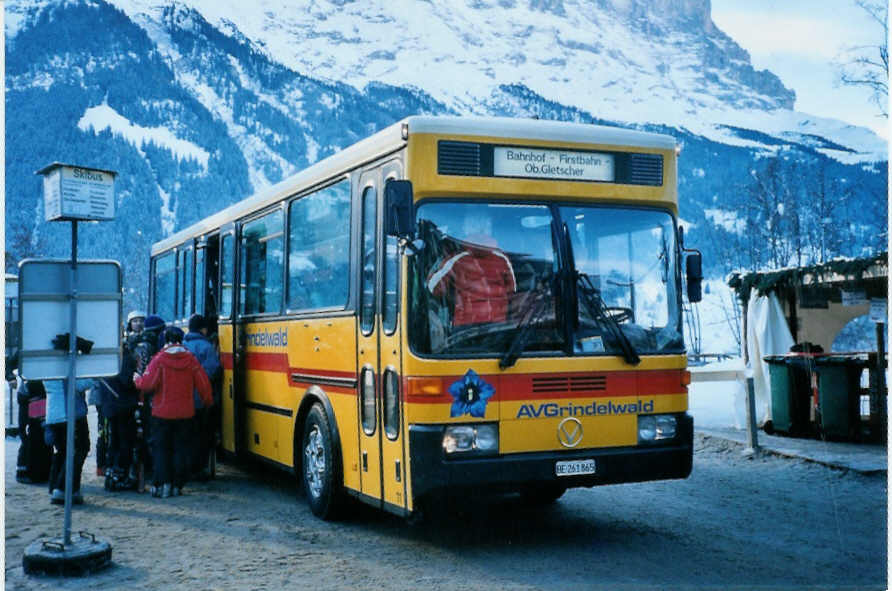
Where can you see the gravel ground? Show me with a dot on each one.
(735, 523)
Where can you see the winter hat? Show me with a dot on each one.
(153, 322)
(135, 314)
(196, 323)
(173, 334)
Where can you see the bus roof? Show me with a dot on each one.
(538, 129)
(393, 137)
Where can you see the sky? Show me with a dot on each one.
(799, 40)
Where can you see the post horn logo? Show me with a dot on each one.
(569, 432)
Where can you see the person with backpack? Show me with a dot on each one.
(118, 403)
(147, 342)
(55, 433)
(143, 344)
(173, 374)
(197, 343)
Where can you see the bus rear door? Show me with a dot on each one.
(229, 349)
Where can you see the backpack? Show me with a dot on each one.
(143, 348)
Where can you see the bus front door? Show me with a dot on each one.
(368, 358)
(393, 458)
(382, 453)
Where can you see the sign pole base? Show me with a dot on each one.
(85, 554)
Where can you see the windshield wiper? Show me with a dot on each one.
(533, 308)
(597, 309)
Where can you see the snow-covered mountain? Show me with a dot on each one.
(630, 61)
(199, 102)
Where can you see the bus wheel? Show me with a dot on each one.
(320, 473)
(542, 494)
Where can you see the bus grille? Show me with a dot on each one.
(460, 158)
(569, 383)
(646, 169)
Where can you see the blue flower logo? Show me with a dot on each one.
(471, 395)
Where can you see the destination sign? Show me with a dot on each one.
(553, 164)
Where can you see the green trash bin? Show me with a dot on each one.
(779, 385)
(839, 394)
(790, 383)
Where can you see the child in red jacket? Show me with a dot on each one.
(174, 373)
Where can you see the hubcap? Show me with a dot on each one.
(314, 461)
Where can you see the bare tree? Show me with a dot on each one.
(868, 65)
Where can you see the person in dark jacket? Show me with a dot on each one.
(143, 346)
(136, 321)
(173, 374)
(33, 462)
(197, 343)
(118, 402)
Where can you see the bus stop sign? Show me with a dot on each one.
(44, 313)
(77, 193)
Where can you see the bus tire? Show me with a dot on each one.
(542, 494)
(320, 469)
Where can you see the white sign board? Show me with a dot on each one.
(552, 164)
(878, 310)
(74, 193)
(45, 313)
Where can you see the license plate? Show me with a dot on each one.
(574, 467)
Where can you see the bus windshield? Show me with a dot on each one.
(493, 277)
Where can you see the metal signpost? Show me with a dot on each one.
(879, 314)
(71, 193)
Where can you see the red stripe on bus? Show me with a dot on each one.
(278, 362)
(520, 387)
(267, 362)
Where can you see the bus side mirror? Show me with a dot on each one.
(694, 276)
(399, 209)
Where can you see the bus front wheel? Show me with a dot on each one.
(320, 468)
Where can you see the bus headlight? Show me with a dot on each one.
(656, 427)
(487, 437)
(666, 426)
(481, 438)
(647, 428)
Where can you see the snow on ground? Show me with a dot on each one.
(102, 117)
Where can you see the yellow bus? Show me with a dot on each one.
(450, 305)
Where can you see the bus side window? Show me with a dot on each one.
(200, 281)
(369, 261)
(391, 284)
(262, 259)
(227, 277)
(164, 286)
(186, 298)
(319, 249)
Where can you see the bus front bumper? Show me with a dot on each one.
(433, 472)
